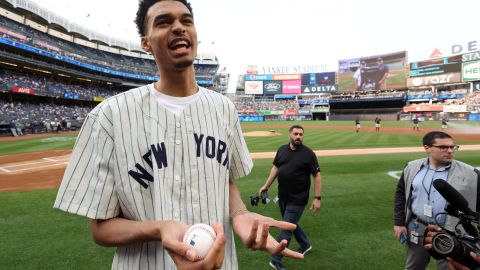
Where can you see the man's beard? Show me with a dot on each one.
(184, 64)
(296, 142)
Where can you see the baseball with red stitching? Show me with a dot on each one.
(201, 237)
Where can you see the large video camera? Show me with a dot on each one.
(457, 245)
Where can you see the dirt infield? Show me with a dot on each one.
(44, 170)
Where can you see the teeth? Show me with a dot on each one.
(180, 42)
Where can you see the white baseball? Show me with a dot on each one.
(201, 237)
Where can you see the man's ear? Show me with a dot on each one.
(145, 44)
(427, 148)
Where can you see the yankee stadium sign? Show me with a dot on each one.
(293, 69)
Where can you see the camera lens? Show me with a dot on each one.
(254, 200)
(265, 198)
(443, 243)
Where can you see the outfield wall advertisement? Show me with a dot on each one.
(371, 73)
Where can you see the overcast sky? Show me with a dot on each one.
(301, 32)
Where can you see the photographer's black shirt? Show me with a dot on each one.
(294, 170)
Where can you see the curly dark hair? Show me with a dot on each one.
(143, 7)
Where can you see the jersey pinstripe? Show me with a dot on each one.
(135, 158)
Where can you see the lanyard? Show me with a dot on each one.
(431, 183)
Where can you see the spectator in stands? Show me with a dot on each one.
(18, 127)
(55, 125)
(13, 128)
(382, 75)
(48, 125)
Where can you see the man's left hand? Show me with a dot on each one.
(253, 230)
(315, 206)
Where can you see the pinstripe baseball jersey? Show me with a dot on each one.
(136, 159)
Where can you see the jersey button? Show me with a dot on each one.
(177, 178)
(177, 141)
(177, 125)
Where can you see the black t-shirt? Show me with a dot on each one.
(294, 170)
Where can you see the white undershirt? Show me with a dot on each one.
(173, 104)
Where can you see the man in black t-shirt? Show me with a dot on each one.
(293, 165)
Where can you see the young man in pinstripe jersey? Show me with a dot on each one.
(153, 160)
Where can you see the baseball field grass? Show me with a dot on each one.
(352, 230)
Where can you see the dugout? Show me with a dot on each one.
(366, 108)
(321, 112)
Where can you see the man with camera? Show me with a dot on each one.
(293, 165)
(417, 202)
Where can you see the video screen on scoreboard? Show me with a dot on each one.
(438, 66)
(378, 72)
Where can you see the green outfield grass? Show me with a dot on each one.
(353, 229)
(64, 141)
(316, 137)
(324, 138)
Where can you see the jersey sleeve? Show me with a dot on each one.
(88, 187)
(241, 162)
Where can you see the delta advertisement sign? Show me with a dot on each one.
(471, 71)
(306, 89)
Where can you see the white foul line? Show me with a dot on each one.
(57, 164)
(32, 163)
(50, 159)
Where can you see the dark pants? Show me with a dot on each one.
(291, 213)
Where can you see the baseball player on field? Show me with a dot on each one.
(152, 161)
